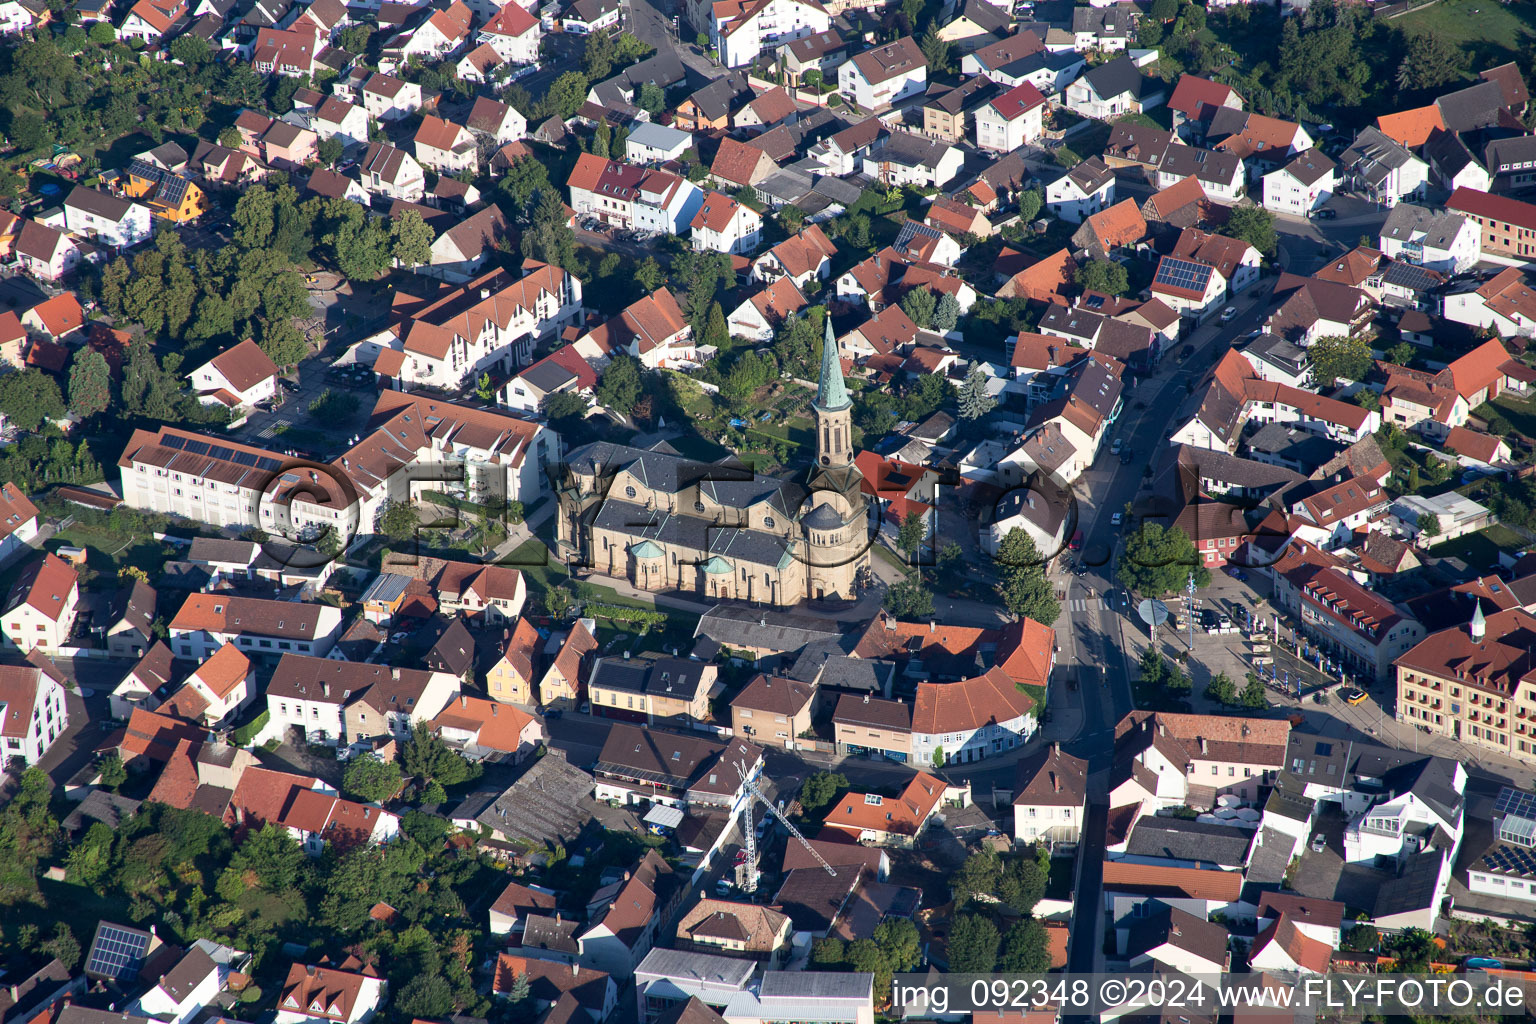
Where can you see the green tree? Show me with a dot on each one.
(911, 534)
(362, 248)
(1030, 202)
(1367, 399)
(426, 756)
(567, 94)
(827, 953)
(715, 331)
(564, 405)
(1336, 356)
(652, 99)
(1402, 354)
(329, 150)
(601, 137)
(29, 397)
(820, 789)
(649, 275)
(1253, 693)
(91, 857)
(973, 945)
(975, 401)
(484, 390)
(938, 757)
(90, 383)
(410, 239)
(1164, 10)
(619, 388)
(946, 314)
(112, 771)
(273, 856)
(909, 599)
(426, 996)
(900, 943)
(1022, 884)
(557, 601)
(1103, 276)
(1157, 561)
(1027, 948)
(1414, 950)
(598, 57)
(1430, 61)
(102, 33)
(937, 52)
(549, 239)
(1221, 689)
(1254, 225)
(64, 946)
(229, 137)
(1429, 525)
(1023, 586)
(919, 304)
(399, 519)
(980, 874)
(371, 780)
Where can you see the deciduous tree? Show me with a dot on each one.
(1024, 588)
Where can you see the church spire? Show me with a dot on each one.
(831, 392)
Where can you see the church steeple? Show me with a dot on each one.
(831, 393)
(834, 422)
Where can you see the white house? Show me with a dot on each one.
(633, 197)
(1050, 796)
(392, 173)
(218, 688)
(1433, 238)
(32, 710)
(14, 18)
(759, 315)
(514, 34)
(46, 252)
(40, 611)
(18, 521)
(994, 715)
(327, 995)
(501, 122)
(1302, 185)
(387, 98)
(1117, 87)
(237, 378)
(650, 143)
(1082, 192)
(1382, 170)
(1220, 172)
(445, 147)
(884, 75)
(255, 625)
(724, 225)
(587, 16)
(191, 984)
(741, 30)
(1011, 120)
(102, 217)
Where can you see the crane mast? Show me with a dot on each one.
(755, 794)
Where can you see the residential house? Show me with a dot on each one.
(1220, 174)
(773, 711)
(18, 521)
(587, 16)
(821, 52)
(872, 819)
(724, 225)
(634, 197)
(1081, 192)
(387, 98)
(445, 147)
(652, 689)
(106, 219)
(277, 52)
(1432, 238)
(1452, 165)
(741, 31)
(258, 625)
(238, 378)
(32, 710)
(513, 33)
(1106, 28)
(1050, 797)
(349, 994)
(216, 690)
(45, 252)
(736, 929)
(392, 173)
(512, 676)
(652, 144)
(1011, 120)
(562, 370)
(1119, 226)
(1117, 87)
(1508, 225)
(976, 24)
(760, 315)
(654, 331)
(738, 165)
(1382, 169)
(800, 257)
(624, 931)
(40, 611)
(149, 20)
(711, 106)
(885, 75)
(905, 158)
(1302, 185)
(486, 728)
(564, 684)
(946, 110)
(1195, 101)
(873, 727)
(461, 252)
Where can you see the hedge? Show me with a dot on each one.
(248, 732)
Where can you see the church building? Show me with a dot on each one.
(718, 530)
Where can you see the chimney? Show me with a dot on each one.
(626, 655)
(1055, 782)
(1202, 744)
(933, 627)
(1162, 730)
(1056, 748)
(325, 688)
(866, 698)
(485, 293)
(463, 701)
(574, 970)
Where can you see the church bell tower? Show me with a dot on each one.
(834, 410)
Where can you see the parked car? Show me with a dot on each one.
(1319, 843)
(1114, 449)
(1117, 519)
(1325, 214)
(1352, 695)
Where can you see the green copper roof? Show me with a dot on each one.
(717, 566)
(831, 394)
(646, 549)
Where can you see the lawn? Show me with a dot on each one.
(1481, 549)
(108, 552)
(1520, 413)
(1492, 32)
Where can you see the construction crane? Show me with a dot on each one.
(753, 793)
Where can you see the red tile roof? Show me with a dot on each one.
(46, 586)
(1494, 208)
(1121, 224)
(1193, 95)
(991, 697)
(245, 365)
(1411, 128)
(60, 315)
(904, 815)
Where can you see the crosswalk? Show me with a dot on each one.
(1083, 604)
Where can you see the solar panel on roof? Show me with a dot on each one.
(172, 441)
(1178, 273)
(243, 458)
(117, 952)
(270, 465)
(1515, 802)
(197, 447)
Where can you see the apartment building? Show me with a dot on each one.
(32, 710)
(490, 323)
(1474, 683)
(633, 197)
(1050, 797)
(740, 30)
(206, 622)
(40, 610)
(884, 75)
(1508, 225)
